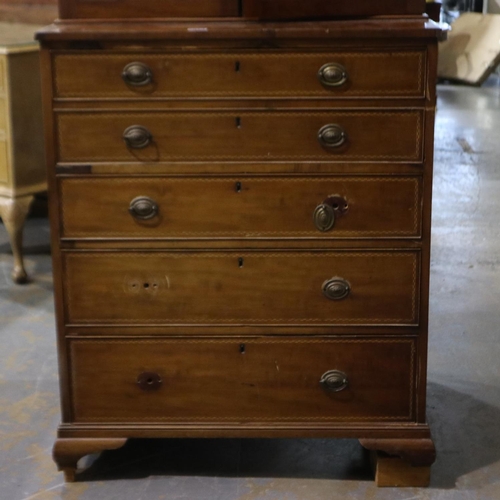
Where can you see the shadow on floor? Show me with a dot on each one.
(465, 430)
(295, 458)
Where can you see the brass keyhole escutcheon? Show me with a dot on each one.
(334, 381)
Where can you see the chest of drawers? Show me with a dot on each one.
(241, 231)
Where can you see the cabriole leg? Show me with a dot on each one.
(13, 212)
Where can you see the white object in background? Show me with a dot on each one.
(472, 51)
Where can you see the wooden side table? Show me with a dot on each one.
(22, 164)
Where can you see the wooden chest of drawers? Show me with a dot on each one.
(241, 229)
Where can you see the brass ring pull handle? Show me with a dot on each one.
(149, 381)
(324, 217)
(334, 380)
(137, 74)
(333, 75)
(143, 208)
(137, 137)
(336, 289)
(326, 214)
(332, 136)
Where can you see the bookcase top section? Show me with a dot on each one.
(246, 9)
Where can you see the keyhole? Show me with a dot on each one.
(238, 187)
(238, 122)
(237, 66)
(241, 262)
(243, 348)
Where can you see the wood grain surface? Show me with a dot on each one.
(275, 288)
(213, 380)
(266, 73)
(214, 136)
(244, 207)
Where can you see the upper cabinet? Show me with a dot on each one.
(249, 9)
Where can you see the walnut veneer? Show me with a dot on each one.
(240, 213)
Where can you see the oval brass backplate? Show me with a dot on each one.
(336, 289)
(137, 137)
(333, 75)
(332, 136)
(143, 208)
(324, 217)
(326, 214)
(137, 74)
(334, 381)
(149, 381)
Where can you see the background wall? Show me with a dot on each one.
(28, 11)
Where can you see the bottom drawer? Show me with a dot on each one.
(242, 380)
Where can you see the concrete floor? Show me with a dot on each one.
(464, 366)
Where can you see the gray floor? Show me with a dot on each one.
(464, 366)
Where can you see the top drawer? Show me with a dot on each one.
(237, 74)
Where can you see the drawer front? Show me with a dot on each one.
(242, 380)
(266, 74)
(235, 288)
(232, 136)
(241, 207)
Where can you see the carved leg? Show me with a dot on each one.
(68, 451)
(401, 462)
(13, 212)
